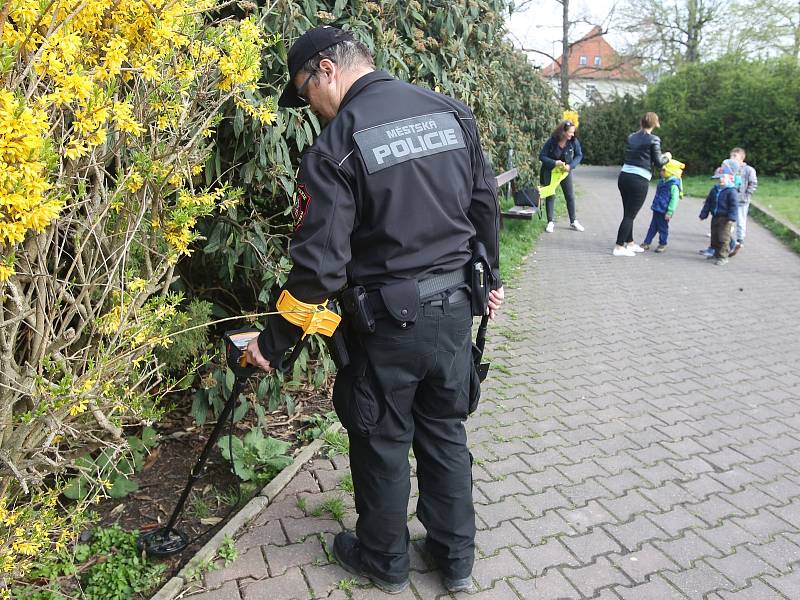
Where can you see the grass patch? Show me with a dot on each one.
(502, 368)
(336, 442)
(347, 585)
(333, 506)
(346, 484)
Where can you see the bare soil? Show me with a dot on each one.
(213, 498)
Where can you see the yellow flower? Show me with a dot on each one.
(76, 149)
(137, 284)
(25, 547)
(134, 181)
(78, 408)
(123, 117)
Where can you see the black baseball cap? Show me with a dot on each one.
(308, 45)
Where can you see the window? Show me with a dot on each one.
(597, 61)
(583, 60)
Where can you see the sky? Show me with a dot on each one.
(539, 26)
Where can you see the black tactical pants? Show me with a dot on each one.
(410, 386)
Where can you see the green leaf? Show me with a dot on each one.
(238, 122)
(241, 409)
(229, 379)
(149, 437)
(290, 405)
(122, 487)
(200, 407)
(262, 391)
(76, 488)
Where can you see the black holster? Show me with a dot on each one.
(337, 346)
(482, 280)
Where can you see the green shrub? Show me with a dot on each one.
(112, 567)
(604, 127)
(708, 108)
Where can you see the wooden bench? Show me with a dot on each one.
(515, 212)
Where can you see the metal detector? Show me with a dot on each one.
(170, 540)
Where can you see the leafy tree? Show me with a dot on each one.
(105, 119)
(670, 33)
(766, 27)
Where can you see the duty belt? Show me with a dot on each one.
(430, 289)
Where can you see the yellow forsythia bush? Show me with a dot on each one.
(107, 113)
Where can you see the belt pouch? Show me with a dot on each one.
(355, 304)
(401, 300)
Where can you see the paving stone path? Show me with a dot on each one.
(639, 437)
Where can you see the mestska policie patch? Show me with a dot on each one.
(390, 144)
(302, 199)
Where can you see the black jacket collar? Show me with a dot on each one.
(363, 82)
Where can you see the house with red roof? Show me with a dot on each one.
(596, 71)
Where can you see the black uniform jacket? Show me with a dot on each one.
(394, 188)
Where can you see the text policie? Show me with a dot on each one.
(386, 145)
(405, 146)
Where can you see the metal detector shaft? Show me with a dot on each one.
(197, 470)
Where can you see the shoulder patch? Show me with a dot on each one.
(390, 144)
(302, 199)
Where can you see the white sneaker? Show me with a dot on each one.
(622, 251)
(550, 227)
(634, 247)
(577, 226)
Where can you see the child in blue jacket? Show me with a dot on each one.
(668, 194)
(722, 203)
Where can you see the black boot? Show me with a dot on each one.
(347, 551)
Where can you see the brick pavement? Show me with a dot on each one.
(639, 436)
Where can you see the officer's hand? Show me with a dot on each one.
(254, 357)
(496, 298)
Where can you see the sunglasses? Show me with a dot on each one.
(301, 90)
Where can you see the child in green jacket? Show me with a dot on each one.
(668, 194)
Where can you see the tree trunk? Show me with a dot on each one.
(797, 34)
(564, 72)
(692, 32)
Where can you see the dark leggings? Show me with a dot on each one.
(569, 195)
(634, 192)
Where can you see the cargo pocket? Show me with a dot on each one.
(356, 400)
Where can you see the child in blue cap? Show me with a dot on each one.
(722, 203)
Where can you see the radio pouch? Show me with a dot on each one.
(356, 306)
(401, 300)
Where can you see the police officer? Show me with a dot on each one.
(388, 200)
